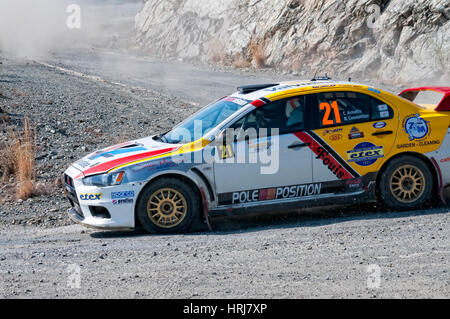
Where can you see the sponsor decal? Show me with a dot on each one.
(114, 163)
(112, 153)
(416, 127)
(337, 165)
(282, 192)
(420, 143)
(365, 154)
(329, 161)
(155, 165)
(384, 114)
(335, 137)
(379, 124)
(86, 164)
(355, 133)
(256, 145)
(297, 85)
(91, 196)
(225, 151)
(444, 160)
(406, 145)
(428, 143)
(323, 86)
(374, 90)
(336, 130)
(382, 107)
(354, 115)
(123, 194)
(82, 163)
(354, 183)
(122, 197)
(122, 201)
(236, 100)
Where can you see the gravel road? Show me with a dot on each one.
(293, 257)
(315, 253)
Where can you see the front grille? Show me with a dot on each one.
(68, 180)
(71, 194)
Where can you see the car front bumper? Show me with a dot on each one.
(98, 207)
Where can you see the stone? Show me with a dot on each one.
(408, 41)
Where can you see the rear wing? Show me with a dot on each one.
(443, 105)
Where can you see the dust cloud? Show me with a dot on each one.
(34, 29)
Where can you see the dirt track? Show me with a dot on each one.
(290, 257)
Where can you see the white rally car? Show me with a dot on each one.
(292, 145)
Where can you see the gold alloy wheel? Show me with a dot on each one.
(407, 183)
(167, 208)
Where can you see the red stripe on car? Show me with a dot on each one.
(257, 103)
(104, 167)
(322, 154)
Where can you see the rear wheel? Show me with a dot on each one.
(168, 206)
(407, 183)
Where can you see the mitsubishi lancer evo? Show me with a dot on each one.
(271, 147)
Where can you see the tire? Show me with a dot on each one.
(168, 206)
(406, 183)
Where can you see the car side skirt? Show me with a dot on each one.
(349, 198)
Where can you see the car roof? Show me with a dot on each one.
(277, 90)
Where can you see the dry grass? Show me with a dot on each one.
(95, 132)
(240, 62)
(217, 52)
(18, 160)
(7, 166)
(258, 54)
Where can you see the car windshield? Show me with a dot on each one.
(204, 120)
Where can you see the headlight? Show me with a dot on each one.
(104, 179)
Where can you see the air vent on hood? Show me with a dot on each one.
(131, 145)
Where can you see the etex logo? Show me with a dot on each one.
(91, 196)
(365, 154)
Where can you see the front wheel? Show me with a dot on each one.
(168, 206)
(407, 183)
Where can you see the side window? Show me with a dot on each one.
(340, 108)
(287, 115)
(380, 110)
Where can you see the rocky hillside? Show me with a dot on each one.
(402, 41)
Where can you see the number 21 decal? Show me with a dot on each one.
(226, 151)
(326, 117)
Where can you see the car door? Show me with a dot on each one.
(356, 131)
(258, 167)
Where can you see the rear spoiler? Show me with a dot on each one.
(444, 104)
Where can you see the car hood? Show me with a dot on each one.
(102, 161)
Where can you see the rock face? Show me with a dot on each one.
(400, 41)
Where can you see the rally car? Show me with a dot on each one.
(271, 147)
